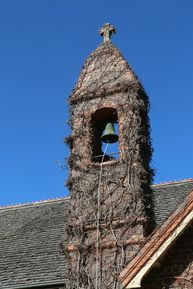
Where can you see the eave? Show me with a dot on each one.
(157, 245)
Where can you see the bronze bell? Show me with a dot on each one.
(109, 135)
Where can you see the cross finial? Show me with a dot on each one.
(106, 31)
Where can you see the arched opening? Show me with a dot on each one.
(105, 132)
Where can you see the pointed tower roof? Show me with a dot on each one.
(104, 72)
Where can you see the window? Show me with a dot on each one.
(105, 145)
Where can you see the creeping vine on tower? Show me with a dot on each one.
(111, 200)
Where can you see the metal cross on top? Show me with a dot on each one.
(106, 31)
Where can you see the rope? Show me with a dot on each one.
(98, 285)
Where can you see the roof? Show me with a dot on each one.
(168, 196)
(31, 235)
(105, 69)
(30, 240)
(158, 244)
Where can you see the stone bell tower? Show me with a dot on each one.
(109, 183)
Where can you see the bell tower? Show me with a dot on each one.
(109, 168)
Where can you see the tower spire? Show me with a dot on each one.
(106, 31)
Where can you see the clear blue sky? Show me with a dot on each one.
(43, 45)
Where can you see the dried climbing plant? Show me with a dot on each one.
(119, 192)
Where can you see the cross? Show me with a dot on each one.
(106, 31)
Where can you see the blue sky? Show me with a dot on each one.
(42, 48)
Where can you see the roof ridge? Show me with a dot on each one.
(51, 200)
(172, 182)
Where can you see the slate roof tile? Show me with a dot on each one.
(168, 196)
(30, 243)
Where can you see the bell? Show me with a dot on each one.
(109, 135)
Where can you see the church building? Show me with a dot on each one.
(116, 229)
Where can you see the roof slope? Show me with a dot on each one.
(105, 69)
(168, 196)
(30, 243)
